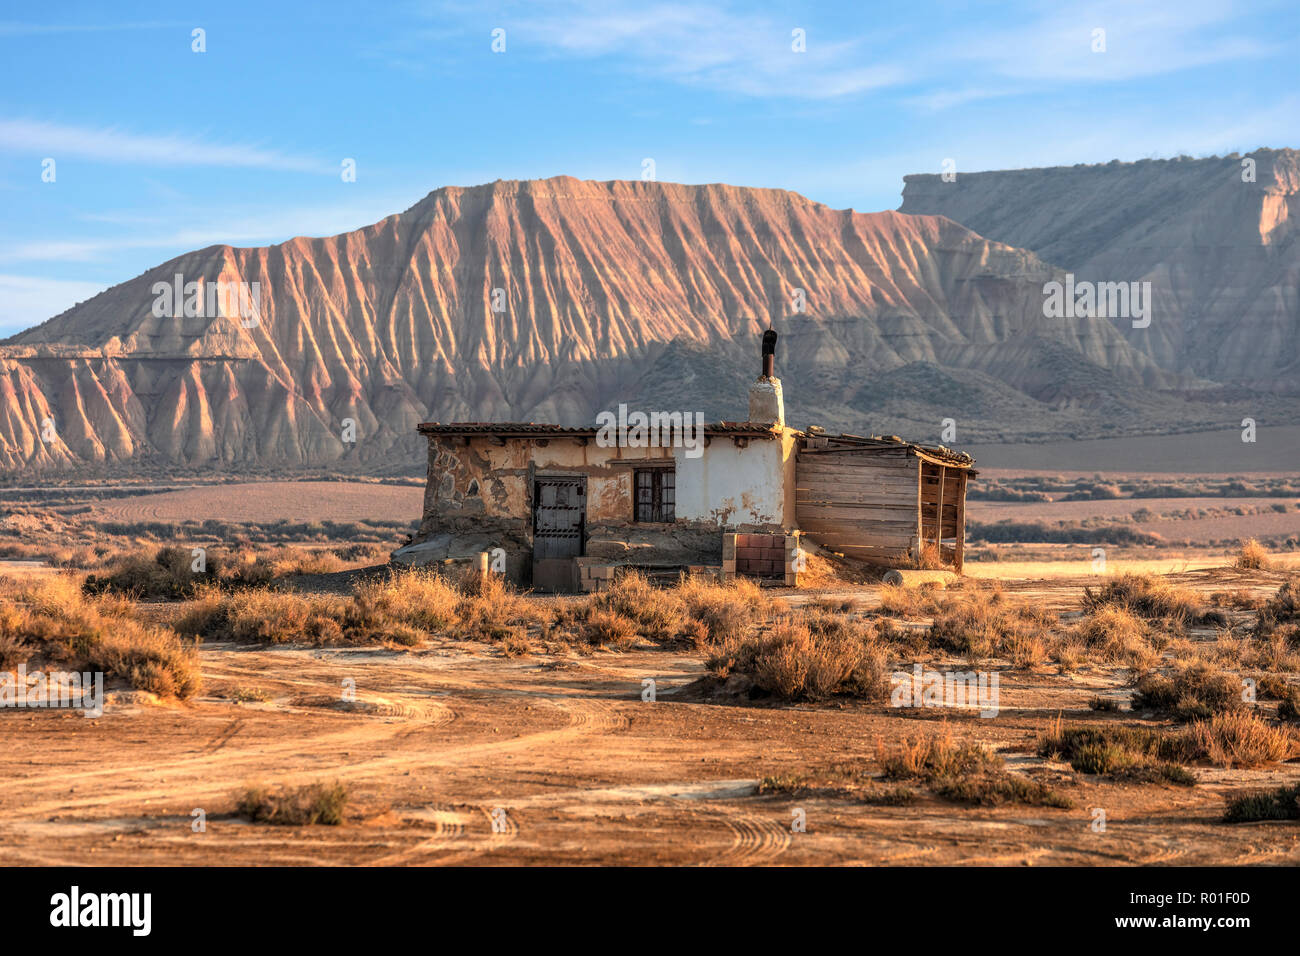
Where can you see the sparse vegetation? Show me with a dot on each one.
(1252, 557)
(302, 806)
(53, 623)
(1195, 691)
(1147, 596)
(986, 623)
(1124, 753)
(1117, 635)
(822, 656)
(1280, 804)
(963, 773)
(1240, 739)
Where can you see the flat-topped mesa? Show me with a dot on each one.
(766, 404)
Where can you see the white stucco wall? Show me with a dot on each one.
(734, 485)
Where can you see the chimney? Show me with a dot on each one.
(766, 406)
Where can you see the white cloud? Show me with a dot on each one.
(109, 144)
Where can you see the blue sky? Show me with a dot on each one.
(158, 149)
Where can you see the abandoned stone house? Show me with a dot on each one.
(563, 508)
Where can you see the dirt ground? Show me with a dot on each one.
(270, 501)
(455, 754)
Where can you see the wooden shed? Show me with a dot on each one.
(883, 500)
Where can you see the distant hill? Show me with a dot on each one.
(1222, 254)
(653, 293)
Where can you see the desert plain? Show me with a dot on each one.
(521, 728)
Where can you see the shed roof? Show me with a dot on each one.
(936, 454)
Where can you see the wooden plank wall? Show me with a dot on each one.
(951, 533)
(858, 502)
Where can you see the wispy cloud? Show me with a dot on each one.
(703, 45)
(1099, 43)
(954, 61)
(110, 144)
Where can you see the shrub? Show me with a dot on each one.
(986, 623)
(992, 789)
(823, 657)
(418, 599)
(605, 627)
(169, 574)
(1283, 607)
(1147, 743)
(53, 619)
(965, 773)
(1113, 760)
(1252, 557)
(490, 609)
(303, 806)
(1240, 739)
(725, 613)
(658, 613)
(1117, 635)
(925, 758)
(264, 617)
(1280, 804)
(1196, 691)
(902, 601)
(888, 796)
(1147, 596)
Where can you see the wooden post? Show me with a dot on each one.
(938, 517)
(920, 509)
(961, 521)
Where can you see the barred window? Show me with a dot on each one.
(655, 494)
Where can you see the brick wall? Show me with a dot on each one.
(761, 556)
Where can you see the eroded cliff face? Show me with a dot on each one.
(541, 300)
(1216, 238)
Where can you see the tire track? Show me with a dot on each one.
(754, 840)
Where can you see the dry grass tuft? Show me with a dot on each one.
(304, 806)
(1123, 753)
(1196, 691)
(1117, 635)
(986, 623)
(1148, 596)
(1280, 804)
(1252, 557)
(965, 773)
(823, 656)
(53, 622)
(1240, 739)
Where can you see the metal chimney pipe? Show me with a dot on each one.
(769, 354)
